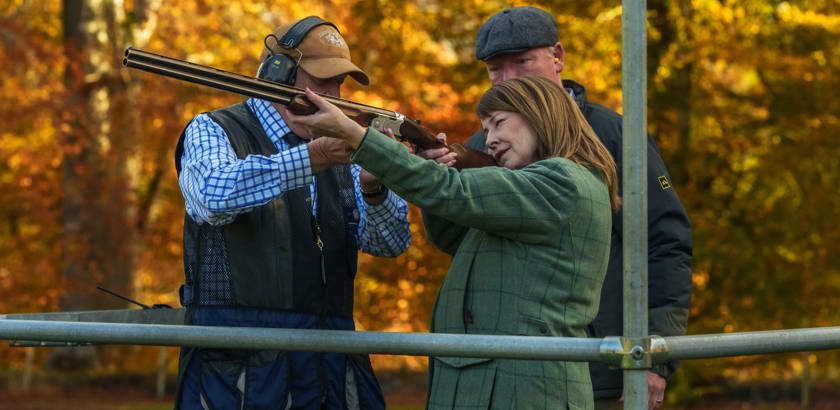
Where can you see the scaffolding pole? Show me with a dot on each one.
(634, 170)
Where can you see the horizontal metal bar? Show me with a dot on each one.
(751, 343)
(609, 349)
(156, 316)
(415, 344)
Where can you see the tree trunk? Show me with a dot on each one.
(97, 228)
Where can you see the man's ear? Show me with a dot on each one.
(559, 57)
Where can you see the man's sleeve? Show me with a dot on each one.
(384, 229)
(669, 240)
(669, 256)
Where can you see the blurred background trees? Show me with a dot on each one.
(742, 102)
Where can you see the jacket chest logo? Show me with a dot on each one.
(664, 182)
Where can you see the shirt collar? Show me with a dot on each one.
(273, 124)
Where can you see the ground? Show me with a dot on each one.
(402, 393)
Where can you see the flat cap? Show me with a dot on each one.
(515, 30)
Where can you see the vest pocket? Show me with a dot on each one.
(244, 379)
(574, 406)
(459, 362)
(462, 382)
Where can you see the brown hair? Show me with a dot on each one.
(560, 127)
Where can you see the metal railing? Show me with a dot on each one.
(616, 350)
(21, 330)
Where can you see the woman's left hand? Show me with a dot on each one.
(328, 121)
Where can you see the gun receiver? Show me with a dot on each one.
(294, 98)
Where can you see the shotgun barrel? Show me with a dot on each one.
(294, 98)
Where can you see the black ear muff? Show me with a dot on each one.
(282, 68)
(278, 68)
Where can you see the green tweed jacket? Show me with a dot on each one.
(510, 275)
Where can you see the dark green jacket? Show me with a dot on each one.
(530, 251)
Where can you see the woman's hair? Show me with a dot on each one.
(558, 124)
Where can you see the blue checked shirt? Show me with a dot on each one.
(217, 186)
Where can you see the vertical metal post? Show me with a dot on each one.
(634, 169)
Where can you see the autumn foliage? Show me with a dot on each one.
(743, 103)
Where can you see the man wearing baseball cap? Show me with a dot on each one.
(523, 41)
(274, 221)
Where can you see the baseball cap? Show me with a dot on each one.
(515, 30)
(324, 53)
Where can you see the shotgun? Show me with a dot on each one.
(404, 128)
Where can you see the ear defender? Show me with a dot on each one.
(282, 68)
(278, 68)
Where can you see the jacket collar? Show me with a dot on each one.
(578, 92)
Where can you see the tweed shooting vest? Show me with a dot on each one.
(268, 258)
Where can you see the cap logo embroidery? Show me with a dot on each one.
(330, 37)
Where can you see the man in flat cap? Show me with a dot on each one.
(524, 41)
(274, 220)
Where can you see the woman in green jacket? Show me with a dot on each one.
(529, 240)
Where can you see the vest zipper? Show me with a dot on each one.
(316, 232)
(320, 244)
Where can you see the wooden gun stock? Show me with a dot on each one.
(295, 99)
